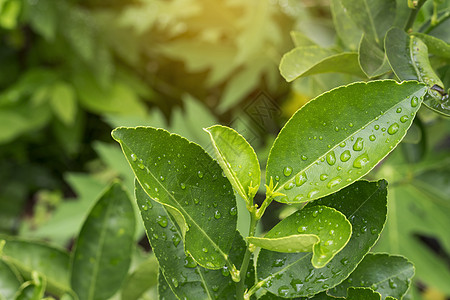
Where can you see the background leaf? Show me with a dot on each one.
(103, 249)
(293, 275)
(9, 281)
(340, 136)
(321, 230)
(180, 175)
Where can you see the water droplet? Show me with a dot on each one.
(205, 250)
(175, 282)
(336, 129)
(300, 179)
(144, 207)
(325, 286)
(279, 262)
(323, 177)
(350, 124)
(302, 229)
(345, 156)
(404, 118)
(304, 157)
(217, 214)
(344, 261)
(141, 165)
(372, 137)
(289, 185)
(359, 144)
(414, 101)
(189, 262)
(342, 145)
(155, 236)
(200, 174)
(392, 284)
(376, 127)
(331, 158)
(315, 213)
(183, 186)
(312, 193)
(399, 110)
(361, 161)
(334, 182)
(283, 291)
(196, 200)
(298, 198)
(287, 171)
(374, 230)
(233, 211)
(225, 271)
(297, 284)
(162, 221)
(133, 157)
(393, 128)
(176, 239)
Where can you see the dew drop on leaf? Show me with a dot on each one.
(302, 229)
(133, 157)
(393, 128)
(345, 156)
(359, 144)
(392, 284)
(414, 101)
(361, 161)
(312, 193)
(297, 284)
(298, 198)
(217, 214)
(376, 127)
(279, 262)
(162, 221)
(233, 211)
(289, 185)
(183, 186)
(372, 137)
(335, 181)
(342, 145)
(404, 118)
(300, 179)
(331, 158)
(200, 174)
(175, 282)
(189, 262)
(399, 110)
(304, 157)
(323, 177)
(283, 291)
(287, 171)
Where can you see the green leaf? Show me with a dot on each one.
(237, 159)
(373, 17)
(435, 46)
(340, 136)
(419, 205)
(301, 40)
(310, 60)
(346, 29)
(408, 57)
(9, 281)
(180, 175)
(292, 274)
(27, 256)
(322, 230)
(103, 249)
(64, 103)
(371, 58)
(181, 273)
(142, 279)
(387, 275)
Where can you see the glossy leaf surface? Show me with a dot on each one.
(371, 58)
(385, 274)
(182, 274)
(408, 57)
(310, 60)
(339, 137)
(321, 230)
(9, 281)
(184, 178)
(28, 256)
(435, 46)
(104, 246)
(237, 159)
(293, 275)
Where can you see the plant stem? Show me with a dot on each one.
(240, 288)
(444, 17)
(413, 15)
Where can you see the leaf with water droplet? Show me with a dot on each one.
(391, 275)
(182, 189)
(367, 106)
(237, 159)
(194, 281)
(408, 57)
(311, 229)
(107, 236)
(357, 202)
